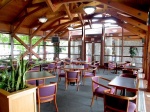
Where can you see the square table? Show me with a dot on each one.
(38, 75)
(124, 83)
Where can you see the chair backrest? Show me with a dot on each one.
(72, 74)
(127, 71)
(95, 81)
(46, 93)
(51, 65)
(86, 65)
(111, 65)
(115, 103)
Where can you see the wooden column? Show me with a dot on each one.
(69, 39)
(12, 44)
(83, 44)
(102, 46)
(30, 44)
(148, 64)
(122, 45)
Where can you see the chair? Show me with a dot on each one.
(98, 88)
(50, 68)
(61, 73)
(105, 66)
(116, 103)
(111, 66)
(72, 76)
(47, 93)
(88, 73)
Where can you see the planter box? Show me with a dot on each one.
(20, 101)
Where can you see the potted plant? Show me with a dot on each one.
(15, 95)
(133, 52)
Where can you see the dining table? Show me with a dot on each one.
(38, 76)
(132, 68)
(124, 83)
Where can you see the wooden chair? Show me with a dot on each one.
(116, 103)
(72, 76)
(61, 73)
(47, 93)
(51, 68)
(105, 66)
(88, 73)
(98, 87)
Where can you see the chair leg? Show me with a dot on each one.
(38, 107)
(55, 104)
(66, 85)
(92, 100)
(77, 86)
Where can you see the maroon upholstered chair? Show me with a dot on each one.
(61, 73)
(111, 66)
(88, 74)
(98, 87)
(72, 76)
(50, 68)
(116, 103)
(47, 93)
(105, 66)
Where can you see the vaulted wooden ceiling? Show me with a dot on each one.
(21, 16)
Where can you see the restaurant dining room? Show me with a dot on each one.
(74, 55)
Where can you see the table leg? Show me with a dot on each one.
(37, 82)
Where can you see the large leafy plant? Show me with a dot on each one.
(15, 79)
(133, 51)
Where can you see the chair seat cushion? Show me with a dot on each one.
(132, 107)
(100, 91)
(88, 74)
(62, 75)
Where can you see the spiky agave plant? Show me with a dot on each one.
(16, 78)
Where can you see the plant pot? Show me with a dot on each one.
(19, 101)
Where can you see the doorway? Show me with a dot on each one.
(93, 51)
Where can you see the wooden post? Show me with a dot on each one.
(148, 64)
(69, 39)
(102, 46)
(83, 43)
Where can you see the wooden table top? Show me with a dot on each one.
(39, 75)
(72, 66)
(124, 82)
(132, 67)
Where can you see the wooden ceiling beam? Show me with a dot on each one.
(132, 29)
(124, 8)
(68, 11)
(69, 22)
(64, 33)
(70, 1)
(3, 3)
(43, 25)
(81, 19)
(50, 5)
(19, 40)
(37, 1)
(20, 23)
(80, 8)
(52, 32)
(127, 19)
